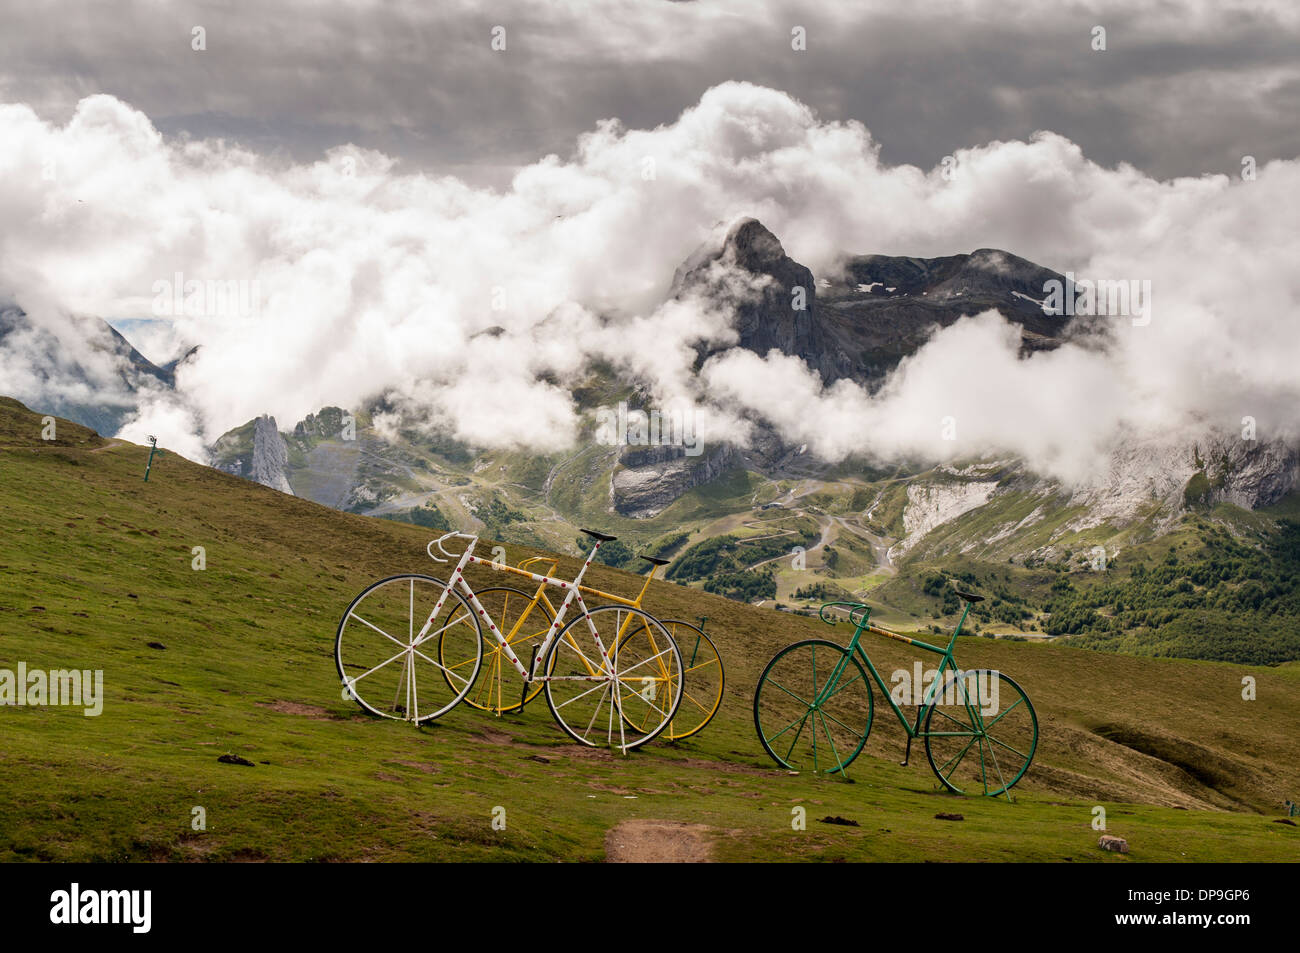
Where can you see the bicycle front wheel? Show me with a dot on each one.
(388, 667)
(980, 733)
(622, 696)
(813, 707)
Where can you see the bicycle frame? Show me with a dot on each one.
(540, 597)
(574, 589)
(779, 709)
(459, 582)
(854, 646)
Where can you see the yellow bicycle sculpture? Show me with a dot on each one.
(524, 621)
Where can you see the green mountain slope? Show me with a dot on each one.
(96, 572)
(900, 538)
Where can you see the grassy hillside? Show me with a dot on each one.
(96, 572)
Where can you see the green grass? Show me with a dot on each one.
(96, 564)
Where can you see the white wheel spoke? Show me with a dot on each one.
(652, 658)
(438, 665)
(425, 638)
(595, 714)
(591, 667)
(353, 615)
(601, 683)
(378, 667)
(443, 689)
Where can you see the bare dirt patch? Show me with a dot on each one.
(658, 842)
(418, 766)
(299, 708)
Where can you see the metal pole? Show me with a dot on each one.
(153, 447)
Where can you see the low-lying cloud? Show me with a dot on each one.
(477, 309)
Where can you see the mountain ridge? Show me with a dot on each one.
(862, 527)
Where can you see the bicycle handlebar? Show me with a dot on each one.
(438, 559)
(854, 607)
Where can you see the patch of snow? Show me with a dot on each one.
(1041, 304)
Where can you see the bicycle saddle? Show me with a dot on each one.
(656, 561)
(600, 536)
(968, 596)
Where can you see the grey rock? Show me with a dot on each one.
(648, 480)
(270, 456)
(763, 301)
(1117, 845)
(877, 310)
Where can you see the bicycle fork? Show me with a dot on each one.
(820, 698)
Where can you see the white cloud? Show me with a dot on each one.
(372, 279)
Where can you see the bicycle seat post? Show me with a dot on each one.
(970, 599)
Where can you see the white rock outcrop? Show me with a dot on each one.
(270, 456)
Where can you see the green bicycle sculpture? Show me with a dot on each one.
(813, 709)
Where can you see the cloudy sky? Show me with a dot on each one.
(396, 186)
(1183, 88)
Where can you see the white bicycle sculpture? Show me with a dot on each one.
(612, 675)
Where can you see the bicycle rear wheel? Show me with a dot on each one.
(980, 733)
(813, 707)
(388, 668)
(704, 680)
(624, 698)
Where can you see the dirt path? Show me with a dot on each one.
(658, 842)
(824, 523)
(879, 547)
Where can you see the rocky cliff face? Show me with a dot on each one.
(648, 480)
(776, 307)
(270, 456)
(1219, 468)
(1146, 486)
(255, 451)
(933, 504)
(1246, 473)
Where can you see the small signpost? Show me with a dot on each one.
(153, 448)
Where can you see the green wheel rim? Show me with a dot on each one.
(813, 707)
(981, 733)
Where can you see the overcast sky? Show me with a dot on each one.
(1183, 88)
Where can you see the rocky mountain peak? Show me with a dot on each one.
(753, 247)
(777, 310)
(860, 321)
(270, 456)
